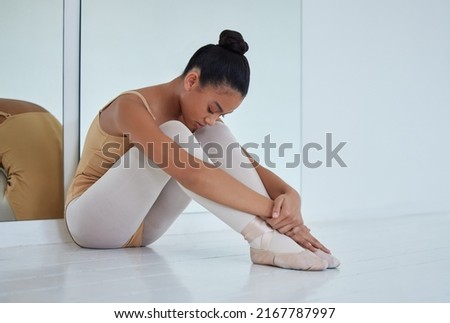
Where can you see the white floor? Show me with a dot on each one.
(396, 259)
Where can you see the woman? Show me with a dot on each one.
(119, 198)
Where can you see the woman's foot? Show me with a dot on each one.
(269, 247)
(303, 260)
(332, 261)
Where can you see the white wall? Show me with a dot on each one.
(377, 75)
(128, 45)
(31, 36)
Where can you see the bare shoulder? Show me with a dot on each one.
(125, 110)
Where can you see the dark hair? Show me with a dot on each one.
(224, 63)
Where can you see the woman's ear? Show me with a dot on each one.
(191, 80)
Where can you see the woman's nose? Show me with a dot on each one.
(210, 121)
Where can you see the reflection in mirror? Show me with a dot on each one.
(31, 184)
(31, 159)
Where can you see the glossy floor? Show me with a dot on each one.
(395, 259)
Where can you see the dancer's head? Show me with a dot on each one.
(223, 64)
(216, 80)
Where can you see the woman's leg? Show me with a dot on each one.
(168, 206)
(111, 210)
(233, 161)
(172, 200)
(268, 246)
(6, 213)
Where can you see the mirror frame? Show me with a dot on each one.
(32, 232)
(71, 87)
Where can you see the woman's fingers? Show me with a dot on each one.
(284, 224)
(285, 228)
(277, 203)
(304, 242)
(301, 235)
(316, 244)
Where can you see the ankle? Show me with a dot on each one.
(261, 236)
(253, 232)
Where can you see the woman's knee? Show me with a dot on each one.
(220, 145)
(173, 128)
(183, 137)
(219, 133)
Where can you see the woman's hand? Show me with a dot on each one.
(286, 214)
(287, 219)
(301, 234)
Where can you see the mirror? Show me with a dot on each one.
(31, 183)
(128, 45)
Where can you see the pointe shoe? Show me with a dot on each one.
(301, 260)
(332, 261)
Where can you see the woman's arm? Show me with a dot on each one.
(287, 202)
(127, 116)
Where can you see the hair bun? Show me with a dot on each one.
(233, 40)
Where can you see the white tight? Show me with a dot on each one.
(133, 191)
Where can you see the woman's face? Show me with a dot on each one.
(202, 106)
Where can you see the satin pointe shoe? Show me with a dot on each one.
(264, 254)
(332, 261)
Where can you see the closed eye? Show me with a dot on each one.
(213, 112)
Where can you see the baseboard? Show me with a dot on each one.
(24, 233)
(21, 233)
